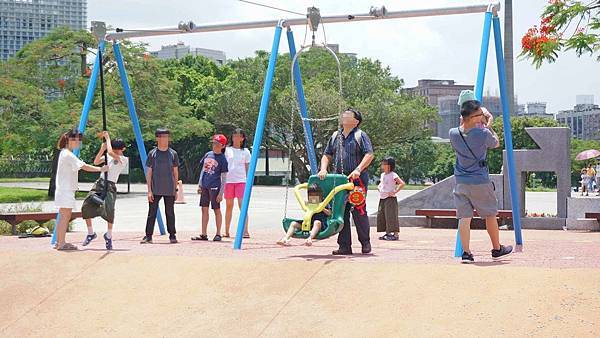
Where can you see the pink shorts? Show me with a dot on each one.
(234, 190)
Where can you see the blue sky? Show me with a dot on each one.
(417, 48)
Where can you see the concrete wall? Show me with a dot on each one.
(440, 196)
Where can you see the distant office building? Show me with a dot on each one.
(180, 50)
(444, 95)
(22, 21)
(584, 99)
(583, 119)
(535, 109)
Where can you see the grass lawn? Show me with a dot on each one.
(19, 195)
(32, 179)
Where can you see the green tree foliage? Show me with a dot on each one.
(565, 25)
(392, 119)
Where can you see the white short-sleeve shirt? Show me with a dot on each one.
(66, 173)
(115, 168)
(236, 161)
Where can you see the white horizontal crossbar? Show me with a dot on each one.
(413, 13)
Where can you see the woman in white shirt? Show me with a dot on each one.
(238, 159)
(116, 164)
(66, 183)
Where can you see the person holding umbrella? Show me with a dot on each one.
(588, 173)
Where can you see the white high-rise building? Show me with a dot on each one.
(180, 50)
(22, 21)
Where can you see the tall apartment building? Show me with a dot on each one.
(180, 50)
(22, 21)
(583, 119)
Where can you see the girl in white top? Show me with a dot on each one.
(117, 162)
(238, 159)
(66, 183)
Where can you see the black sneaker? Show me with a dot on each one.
(342, 252)
(108, 242)
(467, 258)
(89, 239)
(173, 239)
(503, 251)
(366, 249)
(146, 240)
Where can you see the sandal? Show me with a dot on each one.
(67, 247)
(217, 238)
(226, 236)
(200, 238)
(247, 236)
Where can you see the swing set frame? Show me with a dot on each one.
(491, 19)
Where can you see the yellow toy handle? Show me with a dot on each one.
(310, 212)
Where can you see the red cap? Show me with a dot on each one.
(220, 138)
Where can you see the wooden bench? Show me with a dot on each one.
(40, 217)
(595, 215)
(451, 213)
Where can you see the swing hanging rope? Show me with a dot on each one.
(295, 105)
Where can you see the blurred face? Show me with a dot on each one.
(162, 140)
(314, 199)
(217, 147)
(385, 167)
(348, 120)
(74, 143)
(238, 139)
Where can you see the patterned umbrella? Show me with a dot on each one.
(587, 154)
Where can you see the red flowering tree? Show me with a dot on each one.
(565, 25)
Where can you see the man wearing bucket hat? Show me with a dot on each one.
(474, 190)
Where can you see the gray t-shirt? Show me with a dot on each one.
(162, 164)
(467, 169)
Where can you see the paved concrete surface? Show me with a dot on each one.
(407, 288)
(266, 208)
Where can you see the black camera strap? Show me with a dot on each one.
(471, 151)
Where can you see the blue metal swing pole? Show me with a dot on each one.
(514, 192)
(260, 126)
(134, 121)
(87, 105)
(485, 42)
(308, 137)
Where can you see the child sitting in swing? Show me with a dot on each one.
(318, 220)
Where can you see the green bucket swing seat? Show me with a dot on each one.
(335, 189)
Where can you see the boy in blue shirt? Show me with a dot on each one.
(213, 176)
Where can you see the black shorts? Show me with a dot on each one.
(209, 195)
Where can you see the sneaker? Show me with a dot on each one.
(366, 249)
(146, 240)
(389, 237)
(503, 251)
(173, 239)
(342, 252)
(467, 258)
(89, 239)
(108, 242)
